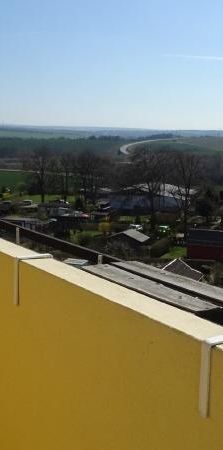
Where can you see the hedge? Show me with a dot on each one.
(160, 247)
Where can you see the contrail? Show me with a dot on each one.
(197, 57)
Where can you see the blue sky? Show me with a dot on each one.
(118, 63)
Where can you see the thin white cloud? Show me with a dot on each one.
(197, 57)
(15, 34)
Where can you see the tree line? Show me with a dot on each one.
(87, 171)
(66, 172)
(15, 147)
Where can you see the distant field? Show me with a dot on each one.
(71, 132)
(10, 178)
(27, 134)
(42, 133)
(196, 144)
(207, 144)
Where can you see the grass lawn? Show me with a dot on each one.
(175, 252)
(132, 219)
(11, 179)
(37, 198)
(75, 237)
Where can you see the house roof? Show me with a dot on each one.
(179, 267)
(205, 237)
(165, 190)
(22, 219)
(136, 236)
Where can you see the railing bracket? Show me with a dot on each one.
(16, 272)
(205, 373)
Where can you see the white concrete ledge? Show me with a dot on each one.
(181, 321)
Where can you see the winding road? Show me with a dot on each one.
(124, 149)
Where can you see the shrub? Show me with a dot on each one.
(83, 239)
(89, 226)
(160, 247)
(117, 227)
(138, 220)
(104, 227)
(79, 203)
(166, 218)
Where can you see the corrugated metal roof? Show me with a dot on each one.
(179, 267)
(129, 275)
(206, 237)
(201, 290)
(136, 235)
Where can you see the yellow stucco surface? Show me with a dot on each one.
(80, 371)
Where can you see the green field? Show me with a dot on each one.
(26, 134)
(42, 133)
(204, 145)
(175, 252)
(10, 178)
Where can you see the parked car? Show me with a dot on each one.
(135, 226)
(26, 203)
(5, 207)
(164, 230)
(6, 203)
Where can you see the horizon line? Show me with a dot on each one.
(81, 127)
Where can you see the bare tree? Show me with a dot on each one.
(67, 166)
(186, 174)
(91, 169)
(38, 162)
(148, 167)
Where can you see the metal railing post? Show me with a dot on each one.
(17, 235)
(16, 273)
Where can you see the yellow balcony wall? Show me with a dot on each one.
(89, 365)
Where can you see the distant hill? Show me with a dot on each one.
(26, 132)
